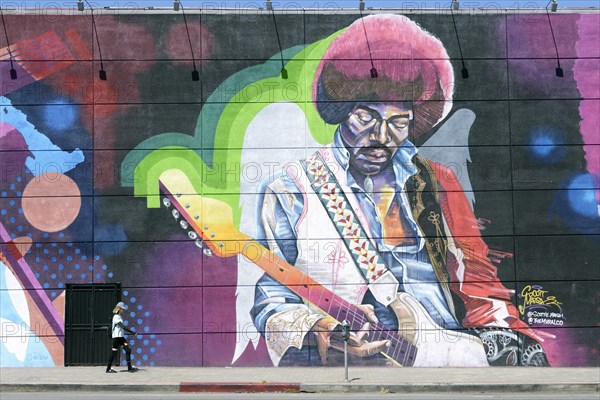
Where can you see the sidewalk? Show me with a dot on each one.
(172, 379)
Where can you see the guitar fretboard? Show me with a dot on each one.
(401, 350)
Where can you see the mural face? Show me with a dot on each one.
(249, 218)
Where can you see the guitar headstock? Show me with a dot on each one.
(207, 221)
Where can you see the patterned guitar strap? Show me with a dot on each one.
(382, 283)
(424, 201)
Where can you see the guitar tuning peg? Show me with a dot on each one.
(167, 202)
(207, 252)
(199, 243)
(192, 235)
(175, 213)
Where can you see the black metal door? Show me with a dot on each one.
(88, 313)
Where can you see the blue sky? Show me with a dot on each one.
(301, 3)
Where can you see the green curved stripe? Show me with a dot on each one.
(222, 126)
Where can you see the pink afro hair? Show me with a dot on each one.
(413, 66)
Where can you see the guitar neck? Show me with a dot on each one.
(303, 285)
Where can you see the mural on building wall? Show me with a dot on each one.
(451, 221)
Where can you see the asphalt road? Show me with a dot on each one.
(295, 396)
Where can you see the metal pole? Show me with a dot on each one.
(346, 361)
(346, 336)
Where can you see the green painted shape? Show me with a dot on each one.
(207, 120)
(161, 160)
(229, 123)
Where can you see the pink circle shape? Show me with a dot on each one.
(51, 202)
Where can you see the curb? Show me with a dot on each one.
(448, 388)
(253, 387)
(85, 387)
(232, 387)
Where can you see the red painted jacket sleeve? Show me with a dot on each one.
(474, 278)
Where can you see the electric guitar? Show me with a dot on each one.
(419, 341)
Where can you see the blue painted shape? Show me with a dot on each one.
(60, 115)
(47, 157)
(576, 206)
(581, 195)
(36, 355)
(545, 144)
(7, 310)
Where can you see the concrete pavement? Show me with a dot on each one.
(323, 379)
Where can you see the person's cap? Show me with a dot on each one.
(120, 305)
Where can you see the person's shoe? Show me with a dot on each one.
(133, 369)
(111, 371)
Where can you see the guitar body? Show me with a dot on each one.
(437, 347)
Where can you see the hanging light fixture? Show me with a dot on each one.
(559, 71)
(464, 71)
(374, 73)
(284, 73)
(13, 71)
(80, 7)
(176, 5)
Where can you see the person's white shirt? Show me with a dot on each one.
(117, 330)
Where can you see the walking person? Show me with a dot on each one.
(118, 339)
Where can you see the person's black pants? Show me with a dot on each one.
(116, 343)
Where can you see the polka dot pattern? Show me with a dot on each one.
(57, 260)
(144, 346)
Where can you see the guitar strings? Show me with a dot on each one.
(400, 344)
